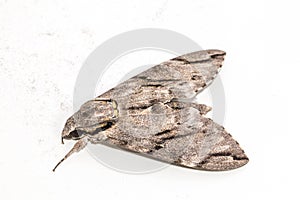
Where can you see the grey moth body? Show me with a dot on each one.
(153, 114)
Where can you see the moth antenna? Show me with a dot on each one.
(76, 148)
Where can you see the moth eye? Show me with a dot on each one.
(74, 134)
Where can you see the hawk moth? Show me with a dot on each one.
(153, 114)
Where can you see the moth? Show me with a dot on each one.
(154, 114)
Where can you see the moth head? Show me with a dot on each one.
(92, 117)
(69, 131)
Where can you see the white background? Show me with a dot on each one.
(44, 43)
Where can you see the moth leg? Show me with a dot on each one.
(76, 148)
(203, 109)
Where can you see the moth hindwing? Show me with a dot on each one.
(151, 114)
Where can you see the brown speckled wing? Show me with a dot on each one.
(182, 77)
(178, 136)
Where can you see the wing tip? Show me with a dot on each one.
(228, 155)
(217, 55)
(216, 52)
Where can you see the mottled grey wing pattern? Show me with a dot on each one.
(180, 78)
(180, 136)
(155, 119)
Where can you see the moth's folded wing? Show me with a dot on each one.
(189, 74)
(179, 78)
(209, 147)
(183, 138)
